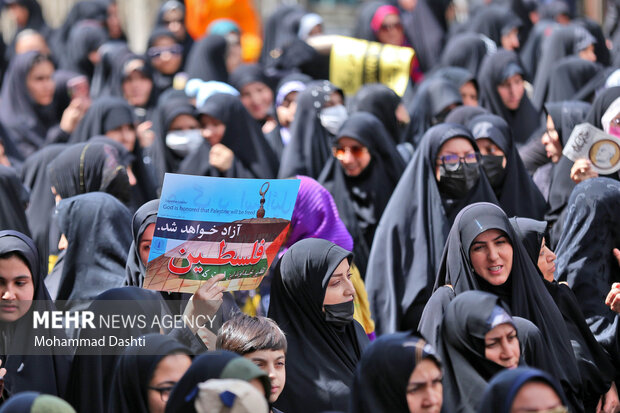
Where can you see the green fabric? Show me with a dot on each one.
(244, 369)
(50, 404)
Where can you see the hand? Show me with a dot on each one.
(2, 374)
(616, 252)
(208, 298)
(613, 298)
(205, 301)
(609, 402)
(582, 170)
(74, 114)
(221, 157)
(146, 136)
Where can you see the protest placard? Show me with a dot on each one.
(208, 226)
(601, 148)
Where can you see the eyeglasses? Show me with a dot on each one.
(558, 409)
(164, 392)
(355, 151)
(387, 27)
(155, 51)
(452, 162)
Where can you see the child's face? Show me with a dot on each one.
(271, 362)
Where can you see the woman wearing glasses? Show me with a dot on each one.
(145, 375)
(361, 176)
(443, 176)
(166, 55)
(514, 188)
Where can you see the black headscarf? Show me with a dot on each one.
(600, 106)
(364, 16)
(595, 366)
(502, 390)
(162, 81)
(123, 68)
(171, 104)
(35, 16)
(514, 188)
(464, 114)
(246, 74)
(213, 365)
(109, 113)
(381, 101)
(384, 371)
(207, 59)
(104, 114)
(566, 116)
(134, 371)
(309, 148)
(570, 77)
(35, 176)
(14, 198)
(46, 372)
(361, 200)
(88, 167)
(563, 42)
(254, 158)
(585, 258)
(272, 40)
(411, 234)
(170, 5)
(467, 50)
(531, 51)
(82, 10)
(494, 22)
(10, 149)
(97, 227)
(27, 121)
(425, 33)
(135, 270)
(326, 358)
(462, 347)
(524, 291)
(522, 121)
(523, 8)
(91, 374)
(435, 94)
(603, 55)
(85, 38)
(109, 54)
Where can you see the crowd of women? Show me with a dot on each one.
(443, 254)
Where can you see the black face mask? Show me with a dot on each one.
(456, 184)
(494, 170)
(339, 315)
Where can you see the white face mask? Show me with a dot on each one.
(183, 142)
(333, 117)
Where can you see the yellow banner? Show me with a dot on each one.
(354, 62)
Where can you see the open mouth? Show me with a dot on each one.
(496, 270)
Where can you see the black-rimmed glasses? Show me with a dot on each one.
(452, 162)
